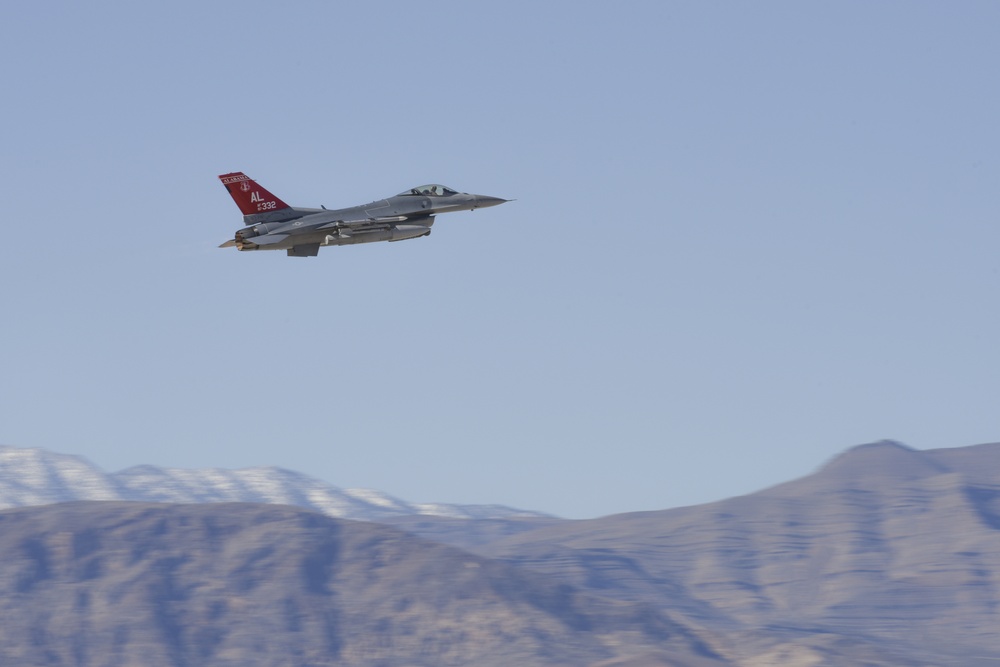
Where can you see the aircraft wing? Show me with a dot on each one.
(266, 239)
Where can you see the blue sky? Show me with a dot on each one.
(746, 237)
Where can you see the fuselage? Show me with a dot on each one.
(302, 231)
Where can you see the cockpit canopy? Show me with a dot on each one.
(430, 191)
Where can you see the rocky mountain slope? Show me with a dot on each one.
(885, 556)
(134, 584)
(38, 477)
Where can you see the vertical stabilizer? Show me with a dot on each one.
(249, 196)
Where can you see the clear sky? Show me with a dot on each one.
(746, 237)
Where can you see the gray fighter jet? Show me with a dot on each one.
(274, 225)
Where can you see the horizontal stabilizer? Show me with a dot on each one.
(267, 239)
(228, 244)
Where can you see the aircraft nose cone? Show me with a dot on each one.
(482, 201)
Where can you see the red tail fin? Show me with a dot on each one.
(250, 197)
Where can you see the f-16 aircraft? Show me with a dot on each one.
(274, 225)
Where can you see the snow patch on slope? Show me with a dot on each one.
(40, 477)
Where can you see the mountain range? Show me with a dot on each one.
(884, 556)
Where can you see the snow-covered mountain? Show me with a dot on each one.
(41, 477)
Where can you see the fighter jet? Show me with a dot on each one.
(274, 225)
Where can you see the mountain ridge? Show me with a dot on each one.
(34, 476)
(885, 555)
(235, 584)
